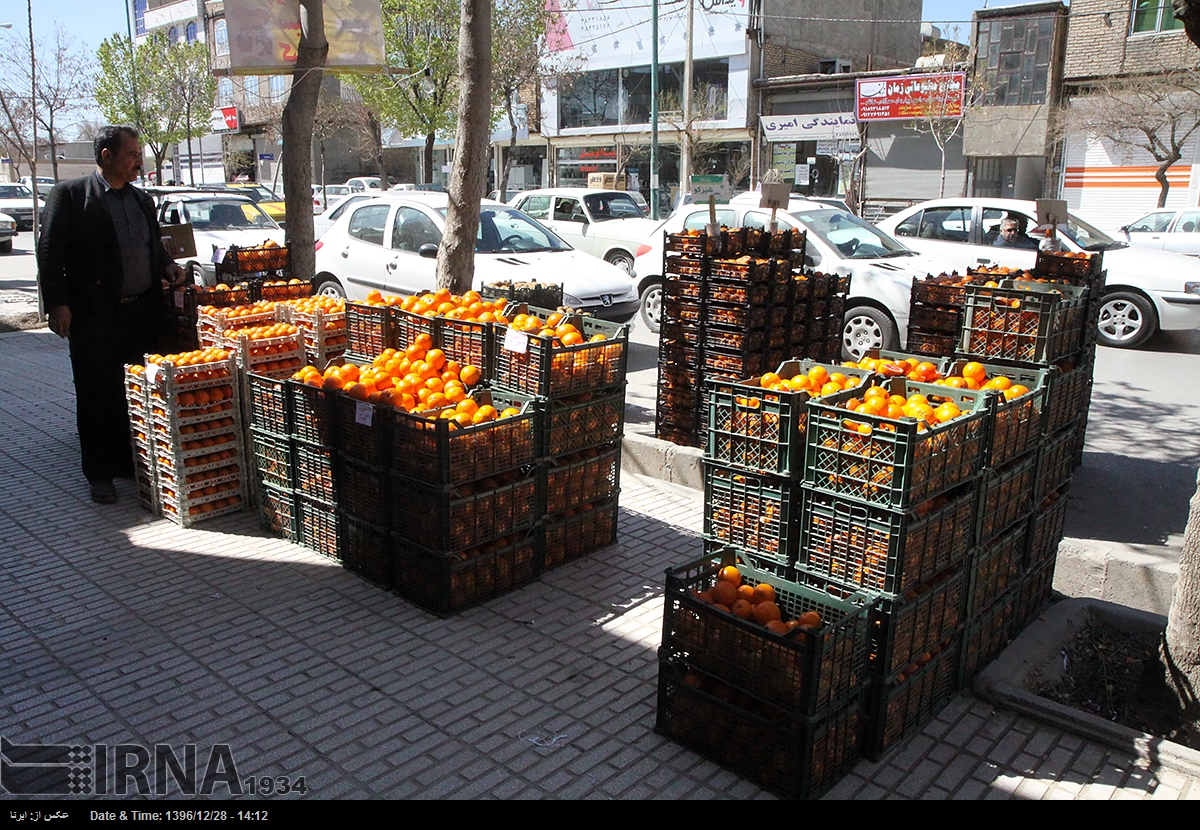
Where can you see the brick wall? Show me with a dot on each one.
(1098, 47)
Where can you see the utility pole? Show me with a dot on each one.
(685, 136)
(654, 109)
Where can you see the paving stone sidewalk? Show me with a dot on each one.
(115, 628)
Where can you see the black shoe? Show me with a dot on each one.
(103, 492)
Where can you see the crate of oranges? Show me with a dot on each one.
(758, 424)
(584, 420)
(579, 530)
(798, 647)
(270, 256)
(898, 443)
(369, 329)
(1019, 405)
(906, 627)
(323, 322)
(1026, 321)
(752, 513)
(916, 694)
(280, 290)
(550, 354)
(275, 350)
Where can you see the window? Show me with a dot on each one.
(221, 37)
(1153, 223)
(367, 223)
(699, 221)
(946, 224)
(537, 206)
(605, 206)
(609, 97)
(567, 210)
(224, 92)
(139, 16)
(412, 228)
(173, 35)
(1189, 222)
(278, 87)
(191, 32)
(1012, 64)
(250, 86)
(1154, 16)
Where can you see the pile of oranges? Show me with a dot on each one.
(752, 602)
(556, 326)
(204, 401)
(922, 371)
(470, 307)
(233, 313)
(818, 381)
(881, 403)
(199, 357)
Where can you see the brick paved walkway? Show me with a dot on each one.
(118, 629)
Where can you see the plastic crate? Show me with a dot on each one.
(1046, 528)
(448, 583)
(408, 326)
(681, 309)
(551, 372)
(363, 489)
(1006, 495)
(997, 566)
(314, 471)
(906, 705)
(1069, 393)
(279, 291)
(273, 459)
(188, 513)
(465, 516)
(587, 476)
(1022, 321)
(369, 329)
(805, 671)
(940, 291)
(319, 526)
(688, 334)
(987, 634)
(792, 756)
(931, 345)
(242, 261)
(362, 428)
(1035, 590)
(1083, 265)
(894, 463)
(270, 403)
(1016, 423)
(695, 244)
(684, 270)
(904, 629)
(1056, 462)
(579, 532)
(366, 549)
(278, 511)
(465, 342)
(546, 295)
(882, 549)
(313, 418)
(932, 319)
(724, 290)
(753, 513)
(740, 341)
(732, 365)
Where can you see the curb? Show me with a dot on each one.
(663, 460)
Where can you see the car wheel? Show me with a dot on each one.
(651, 308)
(1126, 320)
(865, 328)
(329, 287)
(195, 273)
(622, 260)
(6, 246)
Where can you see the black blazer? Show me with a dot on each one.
(79, 259)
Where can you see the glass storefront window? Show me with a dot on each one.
(610, 98)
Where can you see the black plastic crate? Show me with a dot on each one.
(727, 291)
(366, 549)
(585, 420)
(270, 403)
(1006, 495)
(928, 344)
(1084, 265)
(369, 329)
(1056, 462)
(996, 567)
(940, 291)
(278, 512)
(556, 371)
(733, 365)
(685, 310)
(690, 335)
(1046, 528)
(410, 327)
(439, 452)
(933, 319)
(792, 756)
(586, 476)
(805, 671)
(467, 515)
(906, 628)
(1035, 590)
(754, 513)
(745, 317)
(740, 341)
(313, 418)
(987, 633)
(546, 295)
(273, 459)
(363, 489)
(314, 473)
(1023, 321)
(1069, 393)
(891, 462)
(362, 428)
(578, 532)
(882, 549)
(319, 526)
(906, 704)
(446, 583)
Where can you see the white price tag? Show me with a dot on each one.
(363, 413)
(152, 372)
(516, 340)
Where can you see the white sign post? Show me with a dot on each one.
(717, 189)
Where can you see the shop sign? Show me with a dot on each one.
(224, 119)
(909, 97)
(818, 126)
(704, 186)
(264, 35)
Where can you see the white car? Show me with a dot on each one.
(1146, 290)
(218, 220)
(1176, 231)
(17, 201)
(881, 270)
(361, 184)
(390, 243)
(605, 223)
(324, 194)
(336, 208)
(8, 230)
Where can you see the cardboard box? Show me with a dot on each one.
(606, 181)
(179, 241)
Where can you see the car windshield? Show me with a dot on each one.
(227, 215)
(15, 191)
(850, 236)
(505, 230)
(1088, 237)
(605, 206)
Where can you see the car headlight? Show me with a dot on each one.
(7, 224)
(1191, 288)
(571, 300)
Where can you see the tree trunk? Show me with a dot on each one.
(1181, 644)
(377, 149)
(429, 139)
(468, 176)
(1161, 175)
(1188, 13)
(53, 146)
(942, 188)
(298, 117)
(502, 184)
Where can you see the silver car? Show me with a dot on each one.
(1176, 231)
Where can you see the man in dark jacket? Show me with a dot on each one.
(103, 270)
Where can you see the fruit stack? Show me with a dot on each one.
(275, 350)
(196, 434)
(214, 323)
(323, 322)
(935, 315)
(184, 304)
(137, 400)
(734, 305)
(576, 367)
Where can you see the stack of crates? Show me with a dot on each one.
(322, 320)
(272, 448)
(785, 711)
(137, 400)
(369, 330)
(195, 438)
(215, 323)
(275, 350)
(935, 315)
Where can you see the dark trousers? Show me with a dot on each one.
(103, 340)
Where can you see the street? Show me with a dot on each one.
(18, 284)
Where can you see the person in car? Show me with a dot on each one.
(1012, 235)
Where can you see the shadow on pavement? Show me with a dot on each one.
(1135, 501)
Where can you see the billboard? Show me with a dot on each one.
(264, 35)
(908, 97)
(224, 119)
(816, 127)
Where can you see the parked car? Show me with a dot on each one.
(8, 231)
(1146, 290)
(1176, 231)
(336, 208)
(325, 193)
(260, 194)
(44, 183)
(218, 220)
(17, 201)
(390, 243)
(605, 223)
(361, 184)
(880, 268)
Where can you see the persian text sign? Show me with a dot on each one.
(907, 97)
(264, 35)
(826, 125)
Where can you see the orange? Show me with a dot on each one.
(730, 574)
(724, 592)
(766, 611)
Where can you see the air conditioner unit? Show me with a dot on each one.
(833, 66)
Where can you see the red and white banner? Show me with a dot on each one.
(224, 119)
(908, 97)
